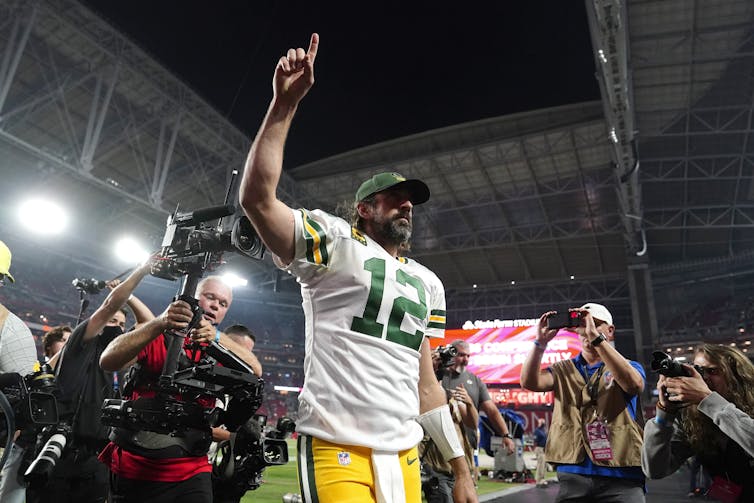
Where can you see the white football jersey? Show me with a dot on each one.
(366, 316)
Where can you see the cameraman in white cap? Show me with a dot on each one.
(595, 438)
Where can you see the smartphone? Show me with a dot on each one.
(567, 319)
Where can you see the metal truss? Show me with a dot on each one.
(608, 24)
(81, 97)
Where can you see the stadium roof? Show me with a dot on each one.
(572, 202)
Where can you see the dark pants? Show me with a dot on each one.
(197, 489)
(74, 480)
(437, 486)
(579, 488)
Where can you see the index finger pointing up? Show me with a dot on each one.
(313, 45)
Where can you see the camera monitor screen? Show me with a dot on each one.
(497, 353)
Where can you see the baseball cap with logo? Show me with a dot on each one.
(599, 312)
(417, 189)
(5, 262)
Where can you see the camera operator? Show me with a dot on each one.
(437, 474)
(595, 438)
(152, 467)
(82, 386)
(467, 387)
(222, 492)
(708, 413)
(17, 354)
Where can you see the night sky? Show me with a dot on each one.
(384, 69)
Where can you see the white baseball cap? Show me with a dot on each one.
(599, 312)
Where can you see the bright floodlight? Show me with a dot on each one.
(42, 216)
(128, 250)
(231, 279)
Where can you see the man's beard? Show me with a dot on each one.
(394, 231)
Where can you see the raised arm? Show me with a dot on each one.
(272, 219)
(115, 300)
(627, 377)
(532, 378)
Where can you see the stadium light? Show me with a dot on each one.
(42, 216)
(128, 250)
(231, 279)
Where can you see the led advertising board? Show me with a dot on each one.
(499, 348)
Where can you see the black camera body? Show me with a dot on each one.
(35, 413)
(190, 245)
(566, 319)
(664, 364)
(447, 353)
(91, 286)
(240, 461)
(31, 397)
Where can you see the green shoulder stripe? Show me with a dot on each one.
(436, 319)
(316, 241)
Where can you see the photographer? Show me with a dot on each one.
(467, 387)
(222, 491)
(708, 413)
(595, 437)
(82, 386)
(154, 467)
(437, 475)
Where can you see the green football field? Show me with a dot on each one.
(279, 480)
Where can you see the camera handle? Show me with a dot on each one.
(83, 306)
(175, 346)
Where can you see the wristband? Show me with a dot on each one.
(217, 335)
(439, 424)
(598, 340)
(538, 344)
(659, 420)
(508, 435)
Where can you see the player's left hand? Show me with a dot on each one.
(464, 490)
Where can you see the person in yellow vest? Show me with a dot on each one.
(596, 430)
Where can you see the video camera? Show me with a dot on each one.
(189, 244)
(664, 364)
(239, 461)
(566, 319)
(91, 286)
(31, 398)
(446, 355)
(34, 412)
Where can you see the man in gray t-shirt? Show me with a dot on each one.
(467, 387)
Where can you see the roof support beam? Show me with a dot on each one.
(13, 52)
(97, 115)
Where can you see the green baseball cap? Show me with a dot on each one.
(417, 189)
